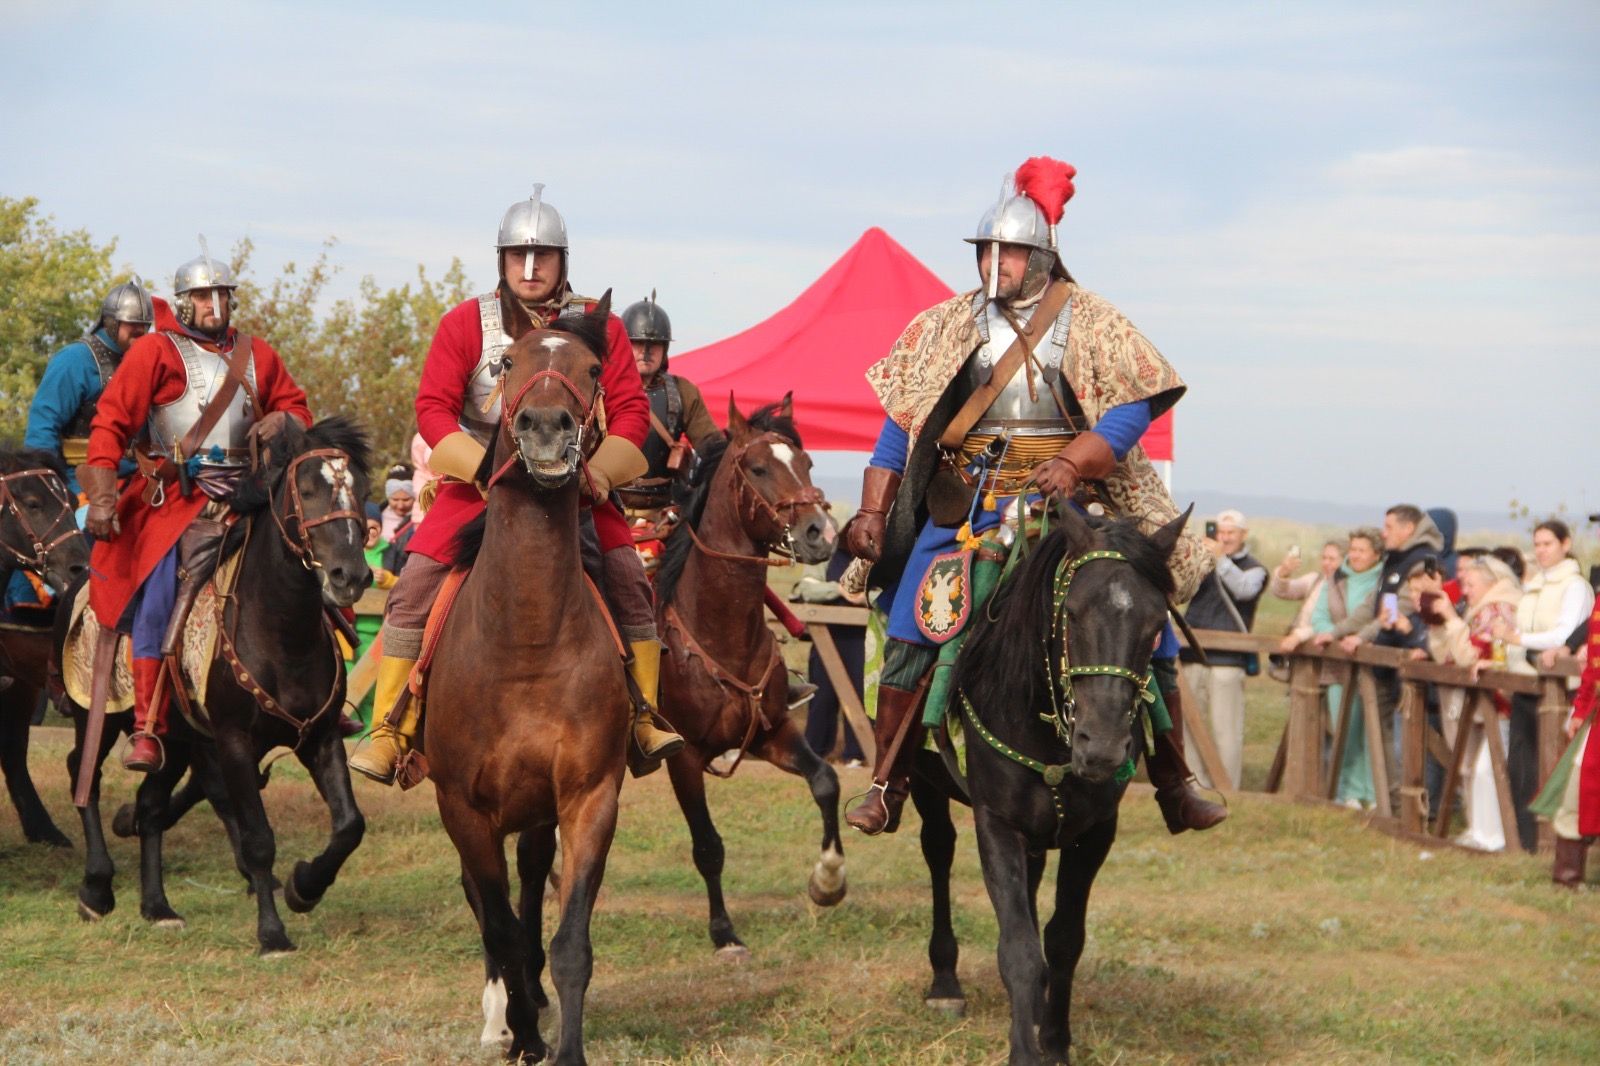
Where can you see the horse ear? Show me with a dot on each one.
(602, 310)
(737, 426)
(1166, 538)
(786, 406)
(1073, 523)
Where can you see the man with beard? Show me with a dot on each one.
(458, 411)
(198, 391)
(1063, 386)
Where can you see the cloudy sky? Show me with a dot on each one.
(1368, 237)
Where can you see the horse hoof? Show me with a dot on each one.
(823, 898)
(278, 948)
(125, 823)
(954, 1006)
(533, 1051)
(733, 953)
(89, 914)
(173, 922)
(298, 903)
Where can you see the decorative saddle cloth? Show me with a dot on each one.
(198, 650)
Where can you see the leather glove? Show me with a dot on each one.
(270, 426)
(100, 486)
(457, 455)
(866, 533)
(615, 462)
(1087, 457)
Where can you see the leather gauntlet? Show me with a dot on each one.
(865, 536)
(1087, 457)
(100, 486)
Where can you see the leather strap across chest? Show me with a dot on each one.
(983, 397)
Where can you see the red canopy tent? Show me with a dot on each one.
(821, 345)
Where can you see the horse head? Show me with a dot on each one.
(778, 504)
(312, 482)
(550, 418)
(1114, 608)
(38, 528)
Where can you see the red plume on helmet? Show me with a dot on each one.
(1048, 183)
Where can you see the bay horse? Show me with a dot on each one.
(38, 534)
(723, 683)
(1068, 640)
(527, 708)
(277, 680)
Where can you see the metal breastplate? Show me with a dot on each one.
(666, 403)
(1041, 413)
(205, 371)
(480, 409)
(105, 361)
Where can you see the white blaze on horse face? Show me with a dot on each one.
(785, 455)
(336, 472)
(495, 1029)
(553, 344)
(1120, 598)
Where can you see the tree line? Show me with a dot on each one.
(359, 355)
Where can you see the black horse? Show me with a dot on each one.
(38, 534)
(278, 679)
(1066, 640)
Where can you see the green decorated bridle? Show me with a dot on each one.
(1063, 708)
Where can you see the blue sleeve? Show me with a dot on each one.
(1123, 425)
(893, 446)
(61, 392)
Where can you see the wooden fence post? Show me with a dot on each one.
(1413, 746)
(1302, 764)
(1554, 705)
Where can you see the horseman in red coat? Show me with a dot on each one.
(1577, 819)
(188, 397)
(458, 411)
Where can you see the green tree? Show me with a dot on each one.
(51, 285)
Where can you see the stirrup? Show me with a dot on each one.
(161, 749)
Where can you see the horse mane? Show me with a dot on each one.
(1007, 650)
(692, 502)
(253, 492)
(13, 457)
(590, 329)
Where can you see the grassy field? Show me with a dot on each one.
(1290, 934)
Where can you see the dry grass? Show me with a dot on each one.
(1290, 935)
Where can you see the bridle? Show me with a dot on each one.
(747, 497)
(592, 410)
(299, 543)
(39, 560)
(1063, 701)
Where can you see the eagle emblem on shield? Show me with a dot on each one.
(944, 599)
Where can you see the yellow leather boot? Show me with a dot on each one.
(646, 670)
(381, 754)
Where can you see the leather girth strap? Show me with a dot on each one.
(983, 397)
(751, 692)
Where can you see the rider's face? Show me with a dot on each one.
(649, 355)
(128, 332)
(1013, 264)
(546, 273)
(205, 311)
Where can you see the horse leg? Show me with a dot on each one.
(125, 823)
(1003, 852)
(486, 882)
(537, 851)
(16, 718)
(95, 896)
(787, 749)
(257, 846)
(687, 771)
(205, 777)
(323, 756)
(1063, 937)
(150, 803)
(1035, 875)
(939, 852)
(587, 826)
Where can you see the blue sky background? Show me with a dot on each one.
(1369, 238)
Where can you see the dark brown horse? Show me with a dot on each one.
(39, 535)
(527, 707)
(723, 683)
(277, 680)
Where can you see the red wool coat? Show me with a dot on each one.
(1583, 706)
(153, 373)
(456, 348)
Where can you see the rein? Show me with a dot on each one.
(593, 417)
(746, 494)
(1063, 712)
(42, 548)
(301, 546)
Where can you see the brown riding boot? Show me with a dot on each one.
(145, 753)
(1181, 805)
(879, 810)
(1570, 855)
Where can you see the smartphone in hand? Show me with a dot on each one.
(1390, 607)
(1211, 531)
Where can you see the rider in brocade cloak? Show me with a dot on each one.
(458, 411)
(157, 398)
(974, 415)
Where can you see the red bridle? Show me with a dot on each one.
(41, 547)
(593, 412)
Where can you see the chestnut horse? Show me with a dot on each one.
(527, 706)
(277, 680)
(39, 535)
(723, 683)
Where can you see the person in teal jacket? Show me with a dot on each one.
(1348, 602)
(64, 405)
